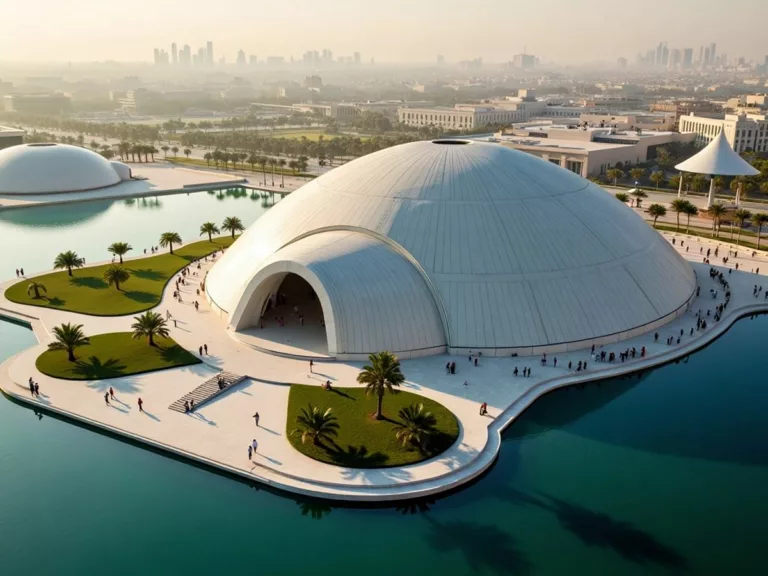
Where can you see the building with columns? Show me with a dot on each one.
(742, 131)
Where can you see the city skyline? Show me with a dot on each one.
(296, 26)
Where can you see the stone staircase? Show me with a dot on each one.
(207, 390)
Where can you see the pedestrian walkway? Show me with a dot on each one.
(208, 390)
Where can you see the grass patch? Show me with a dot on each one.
(114, 355)
(86, 292)
(364, 442)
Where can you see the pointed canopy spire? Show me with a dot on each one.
(718, 159)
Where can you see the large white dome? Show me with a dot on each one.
(50, 168)
(502, 251)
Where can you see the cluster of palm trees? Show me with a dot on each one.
(231, 224)
(416, 426)
(69, 337)
(223, 158)
(717, 212)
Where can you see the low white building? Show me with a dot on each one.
(10, 137)
(743, 131)
(587, 151)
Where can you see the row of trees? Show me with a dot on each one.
(116, 274)
(383, 374)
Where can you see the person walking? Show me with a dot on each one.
(205, 347)
(200, 350)
(106, 398)
(256, 418)
(250, 452)
(254, 445)
(311, 366)
(141, 405)
(111, 393)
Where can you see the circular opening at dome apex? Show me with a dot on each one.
(451, 142)
(41, 144)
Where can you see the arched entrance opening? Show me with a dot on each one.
(285, 316)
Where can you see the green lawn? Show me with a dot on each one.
(364, 442)
(87, 293)
(113, 355)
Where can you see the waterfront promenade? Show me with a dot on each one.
(218, 433)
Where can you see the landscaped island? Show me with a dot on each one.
(102, 290)
(361, 441)
(113, 355)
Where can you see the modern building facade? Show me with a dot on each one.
(455, 245)
(11, 137)
(743, 131)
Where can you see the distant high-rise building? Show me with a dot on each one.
(161, 57)
(253, 60)
(240, 58)
(687, 58)
(440, 60)
(712, 54)
(327, 58)
(209, 53)
(357, 57)
(174, 54)
(185, 56)
(675, 59)
(524, 61)
(706, 61)
(621, 62)
(665, 55)
(659, 51)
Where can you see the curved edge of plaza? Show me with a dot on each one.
(479, 441)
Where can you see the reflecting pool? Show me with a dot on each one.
(659, 475)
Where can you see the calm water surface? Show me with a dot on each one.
(660, 475)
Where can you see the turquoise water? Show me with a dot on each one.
(659, 475)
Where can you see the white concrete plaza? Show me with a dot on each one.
(219, 432)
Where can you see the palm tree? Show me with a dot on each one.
(68, 260)
(678, 205)
(657, 178)
(209, 228)
(622, 197)
(614, 174)
(416, 426)
(263, 163)
(690, 210)
(381, 375)
(150, 324)
(175, 151)
(717, 211)
(759, 219)
(169, 239)
(187, 152)
(68, 337)
(120, 249)
(36, 287)
(656, 210)
(637, 173)
(639, 195)
(272, 164)
(741, 215)
(316, 426)
(208, 157)
(116, 274)
(232, 224)
(282, 162)
(165, 149)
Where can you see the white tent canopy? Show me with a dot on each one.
(716, 159)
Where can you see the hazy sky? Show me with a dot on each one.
(566, 31)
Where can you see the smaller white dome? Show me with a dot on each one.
(50, 168)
